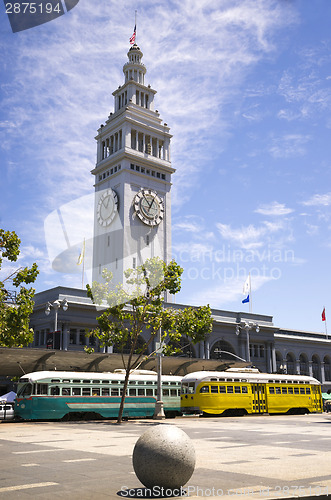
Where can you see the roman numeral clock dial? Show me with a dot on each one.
(107, 207)
(148, 206)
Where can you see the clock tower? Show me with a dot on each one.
(132, 219)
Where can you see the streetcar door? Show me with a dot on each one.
(259, 404)
(316, 398)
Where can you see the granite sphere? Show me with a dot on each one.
(164, 456)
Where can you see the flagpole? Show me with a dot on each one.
(250, 293)
(326, 328)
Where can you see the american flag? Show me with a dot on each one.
(133, 38)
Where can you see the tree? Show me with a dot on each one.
(137, 307)
(14, 315)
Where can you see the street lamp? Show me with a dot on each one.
(247, 326)
(56, 306)
(159, 411)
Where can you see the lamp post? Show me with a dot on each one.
(247, 326)
(56, 306)
(159, 412)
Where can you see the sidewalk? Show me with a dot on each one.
(255, 457)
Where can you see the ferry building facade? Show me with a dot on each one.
(132, 222)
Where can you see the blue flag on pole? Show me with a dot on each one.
(245, 300)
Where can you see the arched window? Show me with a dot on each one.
(304, 367)
(279, 362)
(222, 350)
(327, 368)
(290, 363)
(316, 364)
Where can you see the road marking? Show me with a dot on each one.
(37, 451)
(27, 486)
(30, 465)
(80, 460)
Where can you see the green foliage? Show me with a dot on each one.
(14, 318)
(137, 306)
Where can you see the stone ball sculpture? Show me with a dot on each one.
(164, 456)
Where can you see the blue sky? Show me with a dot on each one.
(245, 86)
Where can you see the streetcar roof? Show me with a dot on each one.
(246, 376)
(58, 375)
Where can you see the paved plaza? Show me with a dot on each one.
(254, 457)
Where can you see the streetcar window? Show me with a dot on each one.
(222, 388)
(229, 389)
(75, 391)
(132, 382)
(132, 392)
(302, 390)
(290, 390)
(55, 391)
(55, 380)
(41, 388)
(244, 389)
(173, 392)
(95, 392)
(284, 390)
(65, 391)
(278, 391)
(191, 388)
(105, 391)
(86, 391)
(173, 383)
(237, 389)
(104, 381)
(307, 390)
(214, 389)
(213, 379)
(271, 390)
(204, 388)
(165, 392)
(96, 381)
(115, 392)
(141, 392)
(149, 392)
(296, 390)
(66, 381)
(26, 390)
(86, 381)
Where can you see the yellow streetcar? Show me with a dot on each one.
(246, 391)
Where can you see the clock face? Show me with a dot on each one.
(107, 207)
(149, 207)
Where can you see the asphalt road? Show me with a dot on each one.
(255, 457)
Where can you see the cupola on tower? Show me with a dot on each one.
(132, 219)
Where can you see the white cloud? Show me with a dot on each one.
(274, 209)
(220, 295)
(289, 145)
(319, 200)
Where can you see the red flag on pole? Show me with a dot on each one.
(323, 315)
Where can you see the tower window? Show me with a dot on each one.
(147, 240)
(132, 166)
(137, 168)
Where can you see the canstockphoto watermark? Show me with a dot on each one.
(226, 274)
(227, 254)
(279, 491)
